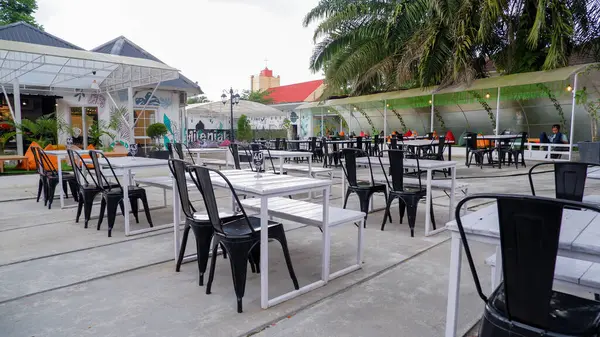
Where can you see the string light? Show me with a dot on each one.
(430, 102)
(487, 95)
(569, 88)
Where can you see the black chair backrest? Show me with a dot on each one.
(284, 144)
(349, 164)
(201, 177)
(523, 137)
(529, 230)
(359, 143)
(235, 153)
(313, 144)
(277, 143)
(45, 163)
(173, 152)
(393, 143)
(178, 169)
(38, 163)
(441, 145)
(569, 179)
(100, 178)
(79, 165)
(471, 139)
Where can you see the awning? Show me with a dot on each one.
(248, 108)
(53, 67)
(420, 97)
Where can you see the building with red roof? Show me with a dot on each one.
(293, 93)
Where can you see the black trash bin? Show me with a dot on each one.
(589, 152)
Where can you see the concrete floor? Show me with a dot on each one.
(59, 279)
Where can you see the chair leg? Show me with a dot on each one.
(65, 189)
(401, 208)
(102, 209)
(431, 213)
(111, 210)
(146, 208)
(213, 263)
(74, 187)
(134, 208)
(348, 192)
(51, 190)
(279, 235)
(387, 210)
(238, 258)
(88, 202)
(411, 210)
(122, 207)
(40, 187)
(186, 232)
(79, 209)
(204, 235)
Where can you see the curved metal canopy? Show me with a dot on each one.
(248, 108)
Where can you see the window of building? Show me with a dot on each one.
(143, 118)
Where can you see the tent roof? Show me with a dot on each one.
(248, 108)
(531, 78)
(54, 67)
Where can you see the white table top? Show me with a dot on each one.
(291, 154)
(64, 152)
(579, 233)
(246, 182)
(208, 149)
(492, 137)
(410, 163)
(131, 162)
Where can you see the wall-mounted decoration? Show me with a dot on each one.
(165, 102)
(149, 99)
(79, 95)
(97, 99)
(293, 117)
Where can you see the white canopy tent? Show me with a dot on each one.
(248, 108)
(45, 68)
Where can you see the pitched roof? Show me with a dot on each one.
(292, 93)
(24, 32)
(125, 47)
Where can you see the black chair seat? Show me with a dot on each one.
(569, 315)
(409, 191)
(238, 228)
(133, 191)
(365, 185)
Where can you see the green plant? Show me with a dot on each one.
(592, 107)
(244, 131)
(258, 96)
(287, 124)
(367, 117)
(97, 131)
(486, 106)
(157, 131)
(557, 106)
(44, 130)
(404, 127)
(5, 137)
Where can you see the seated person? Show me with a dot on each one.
(555, 138)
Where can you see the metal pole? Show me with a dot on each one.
(322, 124)
(432, 112)
(131, 115)
(498, 113)
(231, 137)
(84, 127)
(17, 106)
(384, 118)
(573, 117)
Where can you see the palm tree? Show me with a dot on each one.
(376, 45)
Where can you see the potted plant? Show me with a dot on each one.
(157, 131)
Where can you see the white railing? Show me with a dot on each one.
(544, 151)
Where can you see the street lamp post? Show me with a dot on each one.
(234, 98)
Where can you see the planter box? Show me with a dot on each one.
(589, 152)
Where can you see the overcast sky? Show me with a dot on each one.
(218, 43)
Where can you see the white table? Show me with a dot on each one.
(60, 155)
(267, 186)
(125, 164)
(282, 155)
(429, 166)
(210, 150)
(579, 239)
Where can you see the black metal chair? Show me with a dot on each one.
(112, 196)
(569, 179)
(525, 304)
(364, 190)
(474, 151)
(49, 178)
(42, 176)
(240, 237)
(87, 191)
(408, 197)
(517, 149)
(393, 145)
(197, 221)
(176, 151)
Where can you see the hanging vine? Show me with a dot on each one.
(339, 114)
(440, 119)
(486, 106)
(592, 107)
(404, 127)
(364, 114)
(557, 106)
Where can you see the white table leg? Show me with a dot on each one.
(264, 252)
(359, 256)
(127, 176)
(452, 195)
(176, 218)
(326, 237)
(310, 194)
(453, 285)
(198, 158)
(497, 277)
(281, 164)
(428, 204)
(60, 181)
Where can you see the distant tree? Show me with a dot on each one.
(198, 99)
(259, 96)
(244, 131)
(12, 11)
